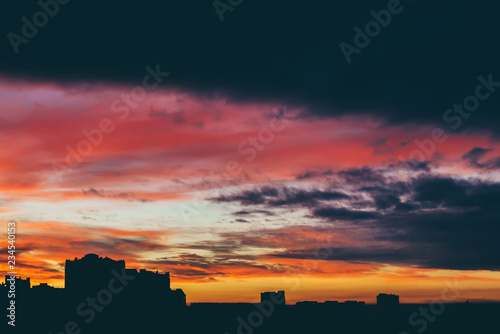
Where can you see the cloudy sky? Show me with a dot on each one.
(247, 154)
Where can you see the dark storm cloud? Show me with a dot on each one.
(442, 223)
(246, 197)
(415, 165)
(460, 235)
(274, 197)
(475, 154)
(478, 153)
(363, 175)
(406, 207)
(294, 196)
(282, 50)
(343, 214)
(437, 190)
(436, 240)
(386, 201)
(246, 213)
(451, 193)
(446, 240)
(242, 213)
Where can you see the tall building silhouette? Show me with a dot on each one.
(384, 299)
(90, 273)
(273, 296)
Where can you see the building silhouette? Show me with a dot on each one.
(273, 296)
(21, 285)
(384, 299)
(91, 273)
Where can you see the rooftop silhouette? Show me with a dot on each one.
(102, 295)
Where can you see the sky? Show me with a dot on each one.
(248, 155)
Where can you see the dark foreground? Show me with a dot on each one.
(59, 314)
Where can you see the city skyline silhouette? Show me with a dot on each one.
(106, 294)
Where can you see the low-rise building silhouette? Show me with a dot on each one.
(43, 287)
(306, 303)
(21, 285)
